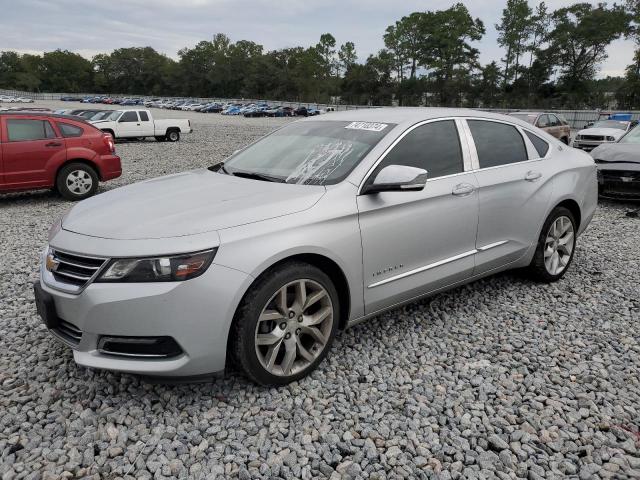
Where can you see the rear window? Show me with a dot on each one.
(69, 130)
(21, 129)
(143, 116)
(540, 145)
(497, 143)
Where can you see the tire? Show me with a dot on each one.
(554, 245)
(77, 181)
(285, 331)
(173, 135)
(161, 139)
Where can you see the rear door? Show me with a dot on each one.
(514, 190)
(129, 125)
(30, 144)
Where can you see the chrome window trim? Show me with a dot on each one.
(532, 153)
(405, 133)
(437, 264)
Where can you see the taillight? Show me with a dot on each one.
(108, 141)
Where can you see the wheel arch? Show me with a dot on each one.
(328, 266)
(573, 206)
(84, 161)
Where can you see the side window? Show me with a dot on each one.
(540, 145)
(69, 130)
(553, 121)
(497, 143)
(23, 129)
(129, 116)
(143, 116)
(543, 121)
(434, 147)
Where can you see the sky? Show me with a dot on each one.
(89, 27)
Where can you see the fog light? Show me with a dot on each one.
(150, 347)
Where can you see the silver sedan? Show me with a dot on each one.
(260, 260)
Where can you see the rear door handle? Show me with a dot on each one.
(463, 189)
(53, 144)
(532, 176)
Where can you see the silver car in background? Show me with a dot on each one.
(324, 223)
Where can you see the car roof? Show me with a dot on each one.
(43, 114)
(410, 115)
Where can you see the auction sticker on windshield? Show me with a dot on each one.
(373, 127)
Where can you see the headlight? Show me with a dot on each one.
(578, 137)
(158, 269)
(611, 139)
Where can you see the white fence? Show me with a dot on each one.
(576, 118)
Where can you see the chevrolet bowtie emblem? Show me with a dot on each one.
(52, 264)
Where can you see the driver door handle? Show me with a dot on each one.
(463, 189)
(532, 176)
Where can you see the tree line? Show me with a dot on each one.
(551, 60)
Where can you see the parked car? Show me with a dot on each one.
(551, 123)
(141, 124)
(619, 166)
(602, 132)
(316, 227)
(44, 150)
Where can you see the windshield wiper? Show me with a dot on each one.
(219, 167)
(258, 176)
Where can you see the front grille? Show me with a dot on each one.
(592, 138)
(69, 332)
(620, 183)
(74, 269)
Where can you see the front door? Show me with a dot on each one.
(514, 193)
(129, 125)
(416, 242)
(29, 145)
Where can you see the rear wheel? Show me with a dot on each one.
(556, 246)
(285, 324)
(173, 135)
(77, 181)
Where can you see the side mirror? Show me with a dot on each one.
(397, 178)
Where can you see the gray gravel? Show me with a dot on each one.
(499, 379)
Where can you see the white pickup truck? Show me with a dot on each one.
(140, 124)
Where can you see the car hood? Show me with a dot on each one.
(187, 203)
(612, 132)
(617, 153)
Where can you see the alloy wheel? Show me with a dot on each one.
(79, 182)
(294, 327)
(559, 245)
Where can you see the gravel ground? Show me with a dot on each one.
(503, 378)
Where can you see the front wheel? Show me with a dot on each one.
(285, 324)
(556, 246)
(77, 181)
(173, 136)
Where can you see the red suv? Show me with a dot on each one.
(44, 150)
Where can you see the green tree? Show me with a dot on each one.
(578, 42)
(514, 31)
(447, 50)
(347, 56)
(405, 40)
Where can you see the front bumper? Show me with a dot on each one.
(588, 145)
(621, 184)
(197, 314)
